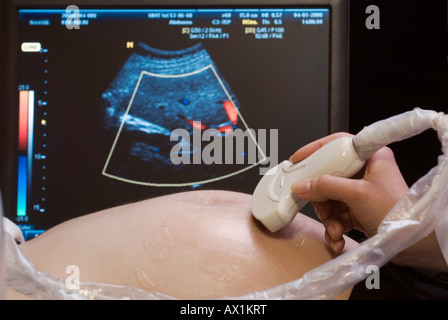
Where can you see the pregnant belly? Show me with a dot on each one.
(193, 245)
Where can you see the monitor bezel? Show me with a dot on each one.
(339, 62)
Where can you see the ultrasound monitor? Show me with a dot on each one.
(107, 103)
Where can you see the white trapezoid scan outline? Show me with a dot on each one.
(143, 72)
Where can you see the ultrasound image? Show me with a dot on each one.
(154, 93)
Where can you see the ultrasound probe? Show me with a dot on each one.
(274, 203)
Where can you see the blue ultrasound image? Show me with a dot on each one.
(155, 93)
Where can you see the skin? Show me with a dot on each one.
(345, 204)
(193, 245)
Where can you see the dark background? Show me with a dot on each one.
(401, 66)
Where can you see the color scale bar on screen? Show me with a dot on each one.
(22, 186)
(30, 136)
(23, 120)
(26, 130)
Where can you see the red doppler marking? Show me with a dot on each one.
(232, 113)
(195, 124)
(225, 128)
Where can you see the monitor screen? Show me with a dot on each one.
(117, 104)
